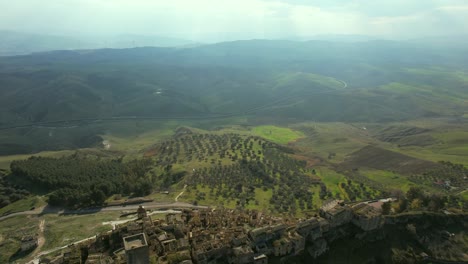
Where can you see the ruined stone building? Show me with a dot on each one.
(367, 217)
(336, 213)
(208, 236)
(136, 249)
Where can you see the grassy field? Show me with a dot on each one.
(389, 179)
(464, 195)
(59, 230)
(263, 199)
(455, 154)
(323, 139)
(23, 205)
(280, 135)
(11, 231)
(210, 200)
(131, 144)
(161, 197)
(452, 146)
(332, 180)
(63, 230)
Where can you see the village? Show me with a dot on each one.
(221, 236)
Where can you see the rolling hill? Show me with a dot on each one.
(373, 81)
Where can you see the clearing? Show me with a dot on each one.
(382, 159)
(280, 135)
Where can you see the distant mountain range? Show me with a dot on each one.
(338, 38)
(17, 43)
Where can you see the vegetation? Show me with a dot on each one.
(240, 124)
(76, 181)
(390, 179)
(246, 170)
(9, 193)
(25, 204)
(65, 229)
(276, 134)
(74, 98)
(12, 230)
(59, 230)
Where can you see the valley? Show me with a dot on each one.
(87, 135)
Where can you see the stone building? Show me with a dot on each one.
(319, 247)
(205, 236)
(282, 247)
(242, 255)
(336, 213)
(366, 217)
(141, 212)
(264, 234)
(309, 229)
(136, 249)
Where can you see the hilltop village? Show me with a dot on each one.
(222, 236)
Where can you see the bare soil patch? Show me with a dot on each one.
(382, 159)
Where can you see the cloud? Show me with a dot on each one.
(441, 20)
(231, 19)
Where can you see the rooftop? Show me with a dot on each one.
(336, 210)
(135, 241)
(365, 210)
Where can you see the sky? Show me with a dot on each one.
(207, 20)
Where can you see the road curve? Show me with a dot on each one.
(345, 85)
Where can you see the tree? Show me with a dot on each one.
(98, 197)
(414, 193)
(402, 205)
(416, 204)
(143, 187)
(386, 208)
(436, 202)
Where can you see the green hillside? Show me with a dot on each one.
(256, 81)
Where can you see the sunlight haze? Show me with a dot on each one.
(206, 20)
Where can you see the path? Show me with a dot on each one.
(182, 192)
(461, 191)
(36, 259)
(29, 212)
(37, 254)
(119, 222)
(61, 211)
(40, 239)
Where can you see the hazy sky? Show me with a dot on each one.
(218, 19)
